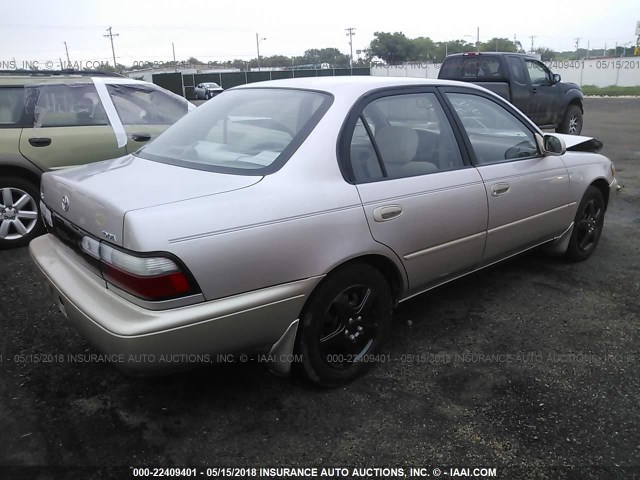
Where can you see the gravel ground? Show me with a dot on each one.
(531, 363)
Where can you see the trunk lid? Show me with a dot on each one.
(97, 196)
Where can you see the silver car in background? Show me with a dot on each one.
(292, 216)
(207, 90)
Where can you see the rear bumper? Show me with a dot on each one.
(142, 341)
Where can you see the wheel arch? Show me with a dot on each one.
(602, 185)
(21, 172)
(386, 266)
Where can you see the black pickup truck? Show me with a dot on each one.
(524, 81)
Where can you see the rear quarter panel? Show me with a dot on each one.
(299, 222)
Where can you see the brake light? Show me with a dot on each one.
(471, 54)
(149, 278)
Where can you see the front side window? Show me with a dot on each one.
(537, 73)
(68, 105)
(412, 137)
(11, 106)
(243, 131)
(495, 133)
(146, 105)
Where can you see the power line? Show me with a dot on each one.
(110, 37)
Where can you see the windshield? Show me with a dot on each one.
(246, 131)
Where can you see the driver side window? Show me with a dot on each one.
(496, 135)
(537, 73)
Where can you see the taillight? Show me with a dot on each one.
(150, 278)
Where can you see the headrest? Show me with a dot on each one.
(397, 144)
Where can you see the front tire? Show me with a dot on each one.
(587, 226)
(572, 122)
(20, 220)
(345, 322)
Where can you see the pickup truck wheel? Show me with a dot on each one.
(20, 220)
(344, 323)
(572, 121)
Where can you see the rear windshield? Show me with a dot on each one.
(481, 68)
(249, 131)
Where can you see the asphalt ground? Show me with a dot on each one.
(532, 363)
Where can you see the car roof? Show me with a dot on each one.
(356, 84)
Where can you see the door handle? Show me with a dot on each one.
(383, 214)
(499, 189)
(40, 142)
(141, 137)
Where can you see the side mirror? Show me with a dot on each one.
(551, 145)
(556, 77)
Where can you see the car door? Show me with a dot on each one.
(519, 85)
(528, 193)
(69, 127)
(144, 111)
(421, 198)
(545, 96)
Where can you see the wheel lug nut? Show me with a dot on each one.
(346, 332)
(359, 318)
(360, 329)
(352, 337)
(351, 320)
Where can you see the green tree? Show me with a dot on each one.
(194, 61)
(424, 49)
(392, 47)
(332, 56)
(546, 54)
(499, 45)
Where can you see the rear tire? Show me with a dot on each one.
(572, 122)
(343, 324)
(587, 226)
(20, 220)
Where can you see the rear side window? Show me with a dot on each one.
(146, 105)
(69, 105)
(412, 137)
(11, 106)
(517, 70)
(481, 68)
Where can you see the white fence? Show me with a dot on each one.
(623, 72)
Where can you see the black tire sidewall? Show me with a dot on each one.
(574, 253)
(571, 110)
(34, 192)
(313, 366)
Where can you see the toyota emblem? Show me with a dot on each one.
(65, 203)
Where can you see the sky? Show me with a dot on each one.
(217, 31)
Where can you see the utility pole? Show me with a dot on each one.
(532, 37)
(477, 39)
(110, 37)
(577, 44)
(258, 47)
(68, 59)
(173, 47)
(350, 33)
